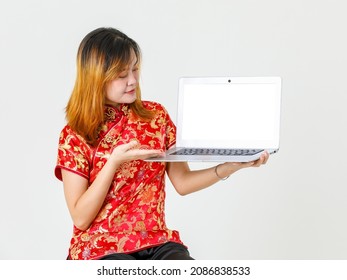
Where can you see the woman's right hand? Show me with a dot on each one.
(132, 151)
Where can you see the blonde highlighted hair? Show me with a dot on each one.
(102, 55)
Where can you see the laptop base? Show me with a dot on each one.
(172, 155)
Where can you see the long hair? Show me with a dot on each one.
(102, 55)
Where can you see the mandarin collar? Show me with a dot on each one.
(112, 113)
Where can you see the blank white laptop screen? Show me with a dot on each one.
(238, 113)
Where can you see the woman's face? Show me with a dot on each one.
(123, 88)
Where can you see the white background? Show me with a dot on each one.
(293, 208)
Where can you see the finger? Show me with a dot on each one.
(245, 164)
(262, 160)
(266, 159)
(134, 144)
(144, 154)
(258, 163)
(129, 146)
(151, 152)
(266, 156)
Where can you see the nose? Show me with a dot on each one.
(132, 79)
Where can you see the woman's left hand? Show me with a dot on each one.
(235, 166)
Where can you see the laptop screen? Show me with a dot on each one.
(224, 112)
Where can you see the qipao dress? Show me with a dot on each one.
(132, 216)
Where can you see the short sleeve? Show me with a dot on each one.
(73, 154)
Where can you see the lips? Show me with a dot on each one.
(130, 91)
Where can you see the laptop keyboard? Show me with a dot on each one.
(217, 152)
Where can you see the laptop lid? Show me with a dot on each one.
(229, 112)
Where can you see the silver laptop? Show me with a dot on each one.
(226, 119)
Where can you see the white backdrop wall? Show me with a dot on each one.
(293, 208)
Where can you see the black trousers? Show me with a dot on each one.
(167, 251)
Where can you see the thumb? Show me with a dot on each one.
(132, 144)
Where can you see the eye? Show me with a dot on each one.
(123, 75)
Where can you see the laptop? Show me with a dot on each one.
(226, 119)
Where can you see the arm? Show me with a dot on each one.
(186, 181)
(85, 202)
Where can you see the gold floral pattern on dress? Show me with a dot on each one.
(148, 195)
(127, 169)
(110, 114)
(85, 237)
(132, 216)
(102, 215)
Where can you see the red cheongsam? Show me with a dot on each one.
(132, 216)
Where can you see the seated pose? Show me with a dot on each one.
(115, 198)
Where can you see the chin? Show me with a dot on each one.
(130, 100)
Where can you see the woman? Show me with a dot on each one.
(115, 198)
